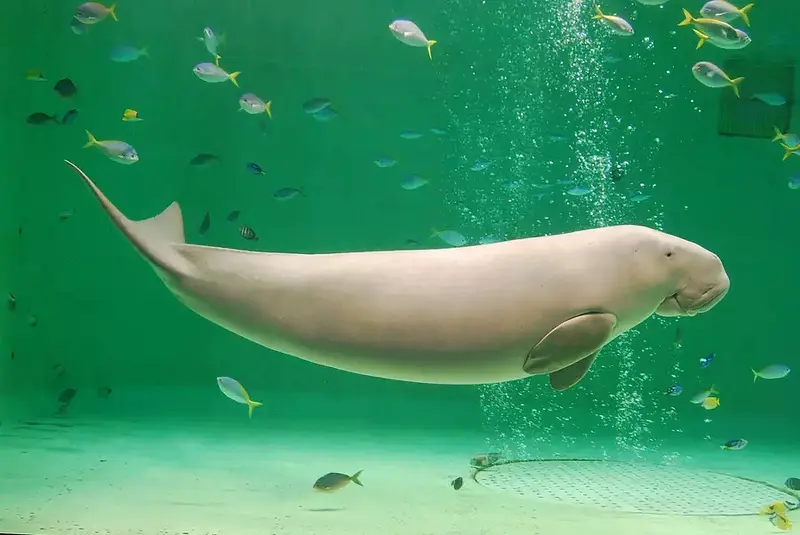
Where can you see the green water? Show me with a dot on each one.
(507, 81)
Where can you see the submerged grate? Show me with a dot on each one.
(631, 487)
(747, 117)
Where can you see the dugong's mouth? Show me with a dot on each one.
(672, 305)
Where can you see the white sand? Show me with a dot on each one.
(150, 478)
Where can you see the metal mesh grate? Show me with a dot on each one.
(631, 487)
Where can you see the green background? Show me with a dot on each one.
(505, 78)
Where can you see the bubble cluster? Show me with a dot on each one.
(542, 102)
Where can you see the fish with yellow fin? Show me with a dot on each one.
(777, 515)
(334, 481)
(130, 115)
(718, 32)
(234, 390)
(35, 76)
(710, 403)
(790, 150)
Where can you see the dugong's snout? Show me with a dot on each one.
(705, 284)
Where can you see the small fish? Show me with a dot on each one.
(40, 118)
(617, 172)
(480, 165)
(640, 197)
(411, 242)
(617, 24)
(252, 104)
(457, 483)
(450, 237)
(94, 12)
(486, 240)
(700, 396)
(411, 134)
(579, 191)
(11, 302)
(35, 76)
(678, 342)
(792, 483)
(316, 105)
(794, 182)
(718, 32)
(233, 216)
(65, 88)
(710, 403)
(781, 522)
(409, 34)
(788, 151)
(674, 390)
(214, 74)
(70, 116)
(707, 360)
(255, 169)
(248, 233)
(735, 444)
(66, 214)
(204, 159)
(773, 371)
(787, 138)
(287, 194)
(33, 320)
(77, 27)
(206, 223)
(67, 395)
(118, 151)
(234, 390)
(325, 114)
(212, 42)
(725, 11)
(770, 99)
(104, 392)
(438, 131)
(412, 182)
(710, 75)
(127, 53)
(334, 481)
(130, 116)
(385, 161)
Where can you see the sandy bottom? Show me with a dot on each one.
(163, 478)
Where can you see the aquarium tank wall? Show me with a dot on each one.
(446, 152)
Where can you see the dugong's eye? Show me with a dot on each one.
(668, 254)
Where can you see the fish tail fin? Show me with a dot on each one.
(252, 405)
(687, 18)
(268, 108)
(755, 375)
(92, 140)
(431, 42)
(217, 57)
(789, 150)
(778, 134)
(598, 13)
(112, 10)
(713, 390)
(735, 85)
(703, 38)
(743, 13)
(233, 76)
(153, 238)
(144, 52)
(354, 478)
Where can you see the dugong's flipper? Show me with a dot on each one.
(568, 351)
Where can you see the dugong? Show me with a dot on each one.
(470, 315)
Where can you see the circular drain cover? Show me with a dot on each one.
(631, 487)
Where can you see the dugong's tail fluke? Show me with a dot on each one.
(154, 237)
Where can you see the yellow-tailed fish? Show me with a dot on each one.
(118, 151)
(234, 390)
(334, 481)
(35, 76)
(789, 150)
(710, 75)
(409, 34)
(617, 24)
(130, 115)
(710, 403)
